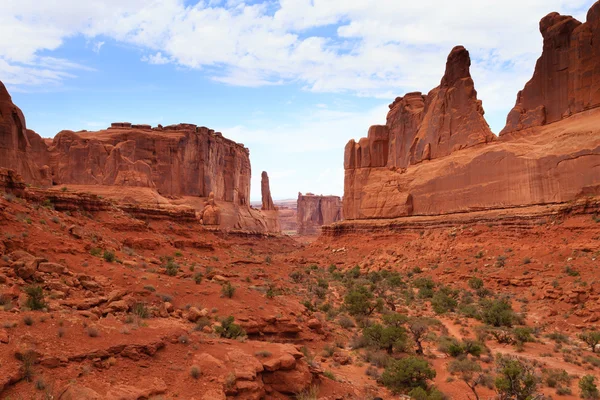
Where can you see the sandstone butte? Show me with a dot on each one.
(169, 167)
(437, 155)
(315, 211)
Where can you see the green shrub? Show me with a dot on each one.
(171, 267)
(195, 372)
(497, 313)
(140, 310)
(406, 374)
(515, 379)
(588, 388)
(591, 338)
(475, 283)
(442, 302)
(108, 256)
(198, 277)
(227, 290)
(387, 338)
(229, 330)
(360, 302)
(35, 297)
(95, 251)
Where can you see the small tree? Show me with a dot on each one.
(471, 374)
(418, 328)
(359, 301)
(588, 387)
(591, 338)
(388, 337)
(515, 380)
(407, 373)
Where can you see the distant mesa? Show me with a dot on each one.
(315, 211)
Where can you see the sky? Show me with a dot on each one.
(293, 80)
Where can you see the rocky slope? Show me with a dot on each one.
(315, 211)
(545, 163)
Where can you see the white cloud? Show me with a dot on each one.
(97, 46)
(157, 59)
(324, 45)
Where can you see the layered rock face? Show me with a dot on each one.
(557, 159)
(18, 146)
(567, 75)
(422, 127)
(316, 211)
(177, 160)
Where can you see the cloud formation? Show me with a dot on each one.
(323, 45)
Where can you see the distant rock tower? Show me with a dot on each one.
(267, 200)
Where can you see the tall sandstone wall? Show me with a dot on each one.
(567, 75)
(436, 154)
(315, 211)
(176, 160)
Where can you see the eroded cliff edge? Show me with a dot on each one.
(176, 166)
(436, 154)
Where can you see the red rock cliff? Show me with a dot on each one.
(567, 75)
(420, 127)
(18, 146)
(177, 160)
(316, 211)
(551, 163)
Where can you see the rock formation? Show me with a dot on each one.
(567, 75)
(168, 167)
(18, 146)
(177, 160)
(555, 163)
(315, 211)
(421, 127)
(265, 189)
(211, 214)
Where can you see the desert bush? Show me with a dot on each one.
(360, 301)
(195, 372)
(108, 256)
(556, 377)
(497, 312)
(227, 290)
(407, 373)
(386, 337)
(171, 267)
(229, 329)
(475, 283)
(516, 379)
(588, 388)
(591, 338)
(35, 297)
(442, 302)
(140, 310)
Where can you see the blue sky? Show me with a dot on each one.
(293, 80)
